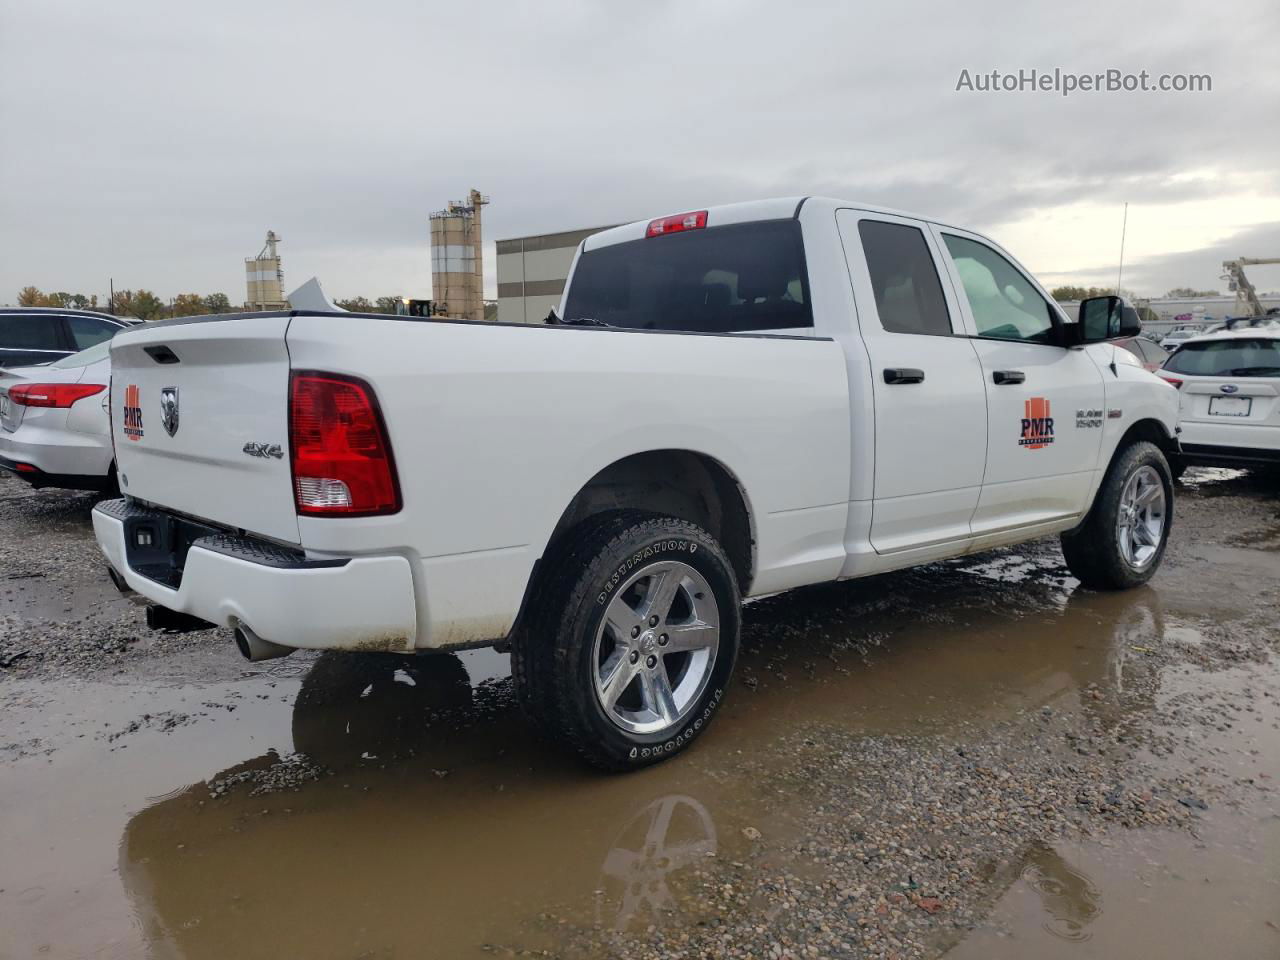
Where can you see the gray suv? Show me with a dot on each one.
(35, 335)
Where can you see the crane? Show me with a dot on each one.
(1247, 302)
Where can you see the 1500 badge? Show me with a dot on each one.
(1088, 418)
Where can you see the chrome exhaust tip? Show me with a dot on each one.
(253, 647)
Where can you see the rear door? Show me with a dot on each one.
(930, 408)
(199, 415)
(1044, 401)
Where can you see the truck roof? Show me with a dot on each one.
(777, 208)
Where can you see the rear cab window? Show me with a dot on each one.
(737, 278)
(1227, 358)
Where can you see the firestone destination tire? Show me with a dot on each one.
(1122, 540)
(630, 648)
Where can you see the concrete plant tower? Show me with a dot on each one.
(457, 258)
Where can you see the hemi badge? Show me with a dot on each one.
(1114, 414)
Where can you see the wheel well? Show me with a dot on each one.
(1151, 430)
(677, 483)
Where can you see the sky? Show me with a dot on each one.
(155, 143)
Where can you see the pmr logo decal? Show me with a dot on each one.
(132, 413)
(1037, 424)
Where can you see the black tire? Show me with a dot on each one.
(553, 660)
(1092, 550)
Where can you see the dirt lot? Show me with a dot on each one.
(976, 758)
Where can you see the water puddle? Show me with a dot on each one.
(341, 806)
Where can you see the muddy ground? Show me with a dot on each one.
(977, 758)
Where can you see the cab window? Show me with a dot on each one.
(904, 279)
(1004, 303)
(736, 278)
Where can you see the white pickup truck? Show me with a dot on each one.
(737, 401)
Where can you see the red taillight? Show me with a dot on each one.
(677, 224)
(338, 446)
(25, 468)
(1174, 381)
(52, 394)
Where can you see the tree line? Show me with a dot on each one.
(1084, 293)
(140, 303)
(145, 305)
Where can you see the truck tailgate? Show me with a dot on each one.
(199, 416)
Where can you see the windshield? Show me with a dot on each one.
(739, 277)
(99, 351)
(1228, 358)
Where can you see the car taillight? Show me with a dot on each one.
(680, 222)
(338, 446)
(52, 394)
(1177, 384)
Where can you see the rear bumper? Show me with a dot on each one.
(1211, 444)
(39, 478)
(81, 460)
(355, 603)
(1211, 455)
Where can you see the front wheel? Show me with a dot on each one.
(631, 646)
(1122, 540)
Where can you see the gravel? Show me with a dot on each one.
(904, 840)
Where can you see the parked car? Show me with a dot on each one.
(54, 424)
(36, 335)
(1229, 397)
(1150, 354)
(737, 401)
(1174, 338)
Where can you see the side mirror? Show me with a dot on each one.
(1107, 318)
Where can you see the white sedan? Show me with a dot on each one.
(1229, 409)
(55, 430)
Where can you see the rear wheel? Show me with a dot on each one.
(1122, 540)
(631, 646)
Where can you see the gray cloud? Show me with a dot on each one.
(157, 141)
(1201, 269)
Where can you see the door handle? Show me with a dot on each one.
(903, 375)
(1001, 377)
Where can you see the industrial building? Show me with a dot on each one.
(457, 258)
(1171, 312)
(532, 272)
(264, 280)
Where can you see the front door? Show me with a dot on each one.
(930, 407)
(1044, 400)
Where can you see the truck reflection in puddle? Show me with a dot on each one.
(671, 834)
(436, 822)
(443, 824)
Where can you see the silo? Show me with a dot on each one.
(457, 258)
(264, 280)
